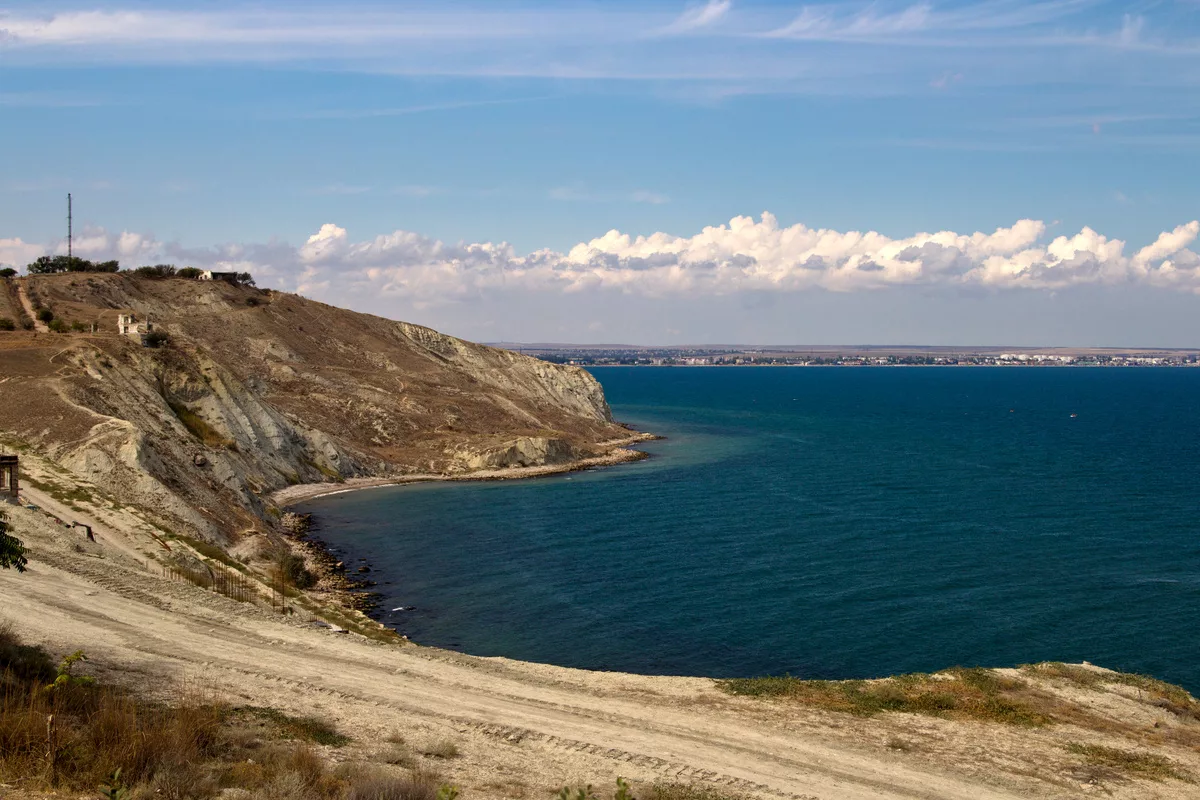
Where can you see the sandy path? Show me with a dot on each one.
(554, 723)
(38, 325)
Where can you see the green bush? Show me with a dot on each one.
(156, 339)
(188, 272)
(156, 271)
(7, 324)
(45, 314)
(7, 272)
(58, 326)
(291, 566)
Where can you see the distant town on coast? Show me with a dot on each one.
(853, 356)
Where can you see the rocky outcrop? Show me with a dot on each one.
(528, 451)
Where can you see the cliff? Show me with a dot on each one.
(256, 390)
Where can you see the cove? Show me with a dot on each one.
(827, 523)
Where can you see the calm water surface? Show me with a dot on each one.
(843, 522)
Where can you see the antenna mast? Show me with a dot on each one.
(69, 222)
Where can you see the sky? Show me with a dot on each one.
(646, 172)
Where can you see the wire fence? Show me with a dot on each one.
(215, 577)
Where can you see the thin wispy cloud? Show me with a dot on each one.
(402, 111)
(574, 42)
(698, 17)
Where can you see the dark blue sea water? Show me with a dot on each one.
(833, 523)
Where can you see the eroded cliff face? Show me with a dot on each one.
(259, 390)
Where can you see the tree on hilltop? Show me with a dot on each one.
(46, 265)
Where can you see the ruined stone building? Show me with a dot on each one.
(8, 478)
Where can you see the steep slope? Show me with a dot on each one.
(256, 390)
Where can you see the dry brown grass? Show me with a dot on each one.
(978, 694)
(440, 748)
(1129, 763)
(376, 784)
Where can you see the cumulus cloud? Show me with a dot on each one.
(744, 256)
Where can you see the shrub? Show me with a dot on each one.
(7, 272)
(45, 314)
(78, 327)
(156, 339)
(293, 570)
(7, 324)
(58, 326)
(188, 272)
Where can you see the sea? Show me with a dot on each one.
(841, 522)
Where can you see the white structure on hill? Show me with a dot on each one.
(128, 325)
(209, 275)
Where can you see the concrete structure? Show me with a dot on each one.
(209, 275)
(128, 325)
(8, 478)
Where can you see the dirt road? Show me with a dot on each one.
(38, 325)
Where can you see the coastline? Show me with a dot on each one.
(617, 454)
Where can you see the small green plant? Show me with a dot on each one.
(581, 793)
(66, 673)
(45, 315)
(58, 326)
(114, 788)
(7, 324)
(623, 791)
(447, 792)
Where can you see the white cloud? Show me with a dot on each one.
(17, 253)
(745, 255)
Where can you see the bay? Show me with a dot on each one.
(822, 522)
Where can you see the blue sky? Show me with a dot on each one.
(230, 132)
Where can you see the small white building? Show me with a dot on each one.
(209, 275)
